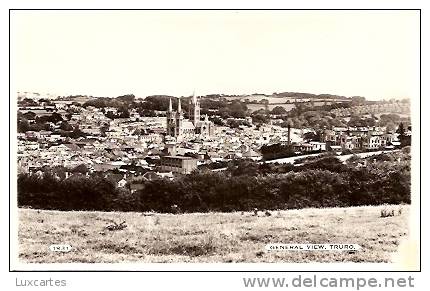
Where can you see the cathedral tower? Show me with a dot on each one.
(171, 123)
(179, 119)
(174, 120)
(195, 110)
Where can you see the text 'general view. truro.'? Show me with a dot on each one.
(258, 157)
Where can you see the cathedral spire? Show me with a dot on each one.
(194, 97)
(170, 105)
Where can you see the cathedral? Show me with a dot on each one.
(181, 128)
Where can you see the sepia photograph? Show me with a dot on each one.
(230, 137)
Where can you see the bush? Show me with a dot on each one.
(76, 193)
(325, 182)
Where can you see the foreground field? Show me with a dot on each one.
(210, 237)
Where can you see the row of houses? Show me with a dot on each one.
(360, 138)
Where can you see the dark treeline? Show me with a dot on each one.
(153, 104)
(245, 185)
(300, 95)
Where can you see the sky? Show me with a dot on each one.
(374, 54)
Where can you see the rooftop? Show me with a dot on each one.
(179, 157)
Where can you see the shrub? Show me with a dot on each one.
(324, 182)
(387, 212)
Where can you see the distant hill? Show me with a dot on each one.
(283, 97)
(299, 95)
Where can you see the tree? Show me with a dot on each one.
(56, 117)
(279, 110)
(123, 112)
(357, 121)
(76, 133)
(82, 168)
(97, 102)
(243, 167)
(23, 125)
(259, 116)
(357, 100)
(110, 115)
(388, 118)
(129, 98)
(311, 136)
(66, 126)
(317, 182)
(233, 123)
(238, 109)
(370, 121)
(218, 121)
(405, 140)
(337, 122)
(390, 127)
(27, 102)
(401, 129)
(30, 115)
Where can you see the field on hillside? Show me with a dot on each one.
(287, 106)
(210, 237)
(255, 107)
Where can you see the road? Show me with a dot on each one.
(342, 158)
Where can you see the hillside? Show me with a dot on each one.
(211, 237)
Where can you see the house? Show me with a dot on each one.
(335, 148)
(253, 155)
(303, 147)
(168, 175)
(103, 167)
(55, 137)
(374, 141)
(32, 135)
(352, 142)
(178, 164)
(318, 146)
(44, 134)
(121, 183)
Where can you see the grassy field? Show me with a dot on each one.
(210, 237)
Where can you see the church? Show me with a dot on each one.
(181, 128)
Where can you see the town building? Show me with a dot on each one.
(178, 164)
